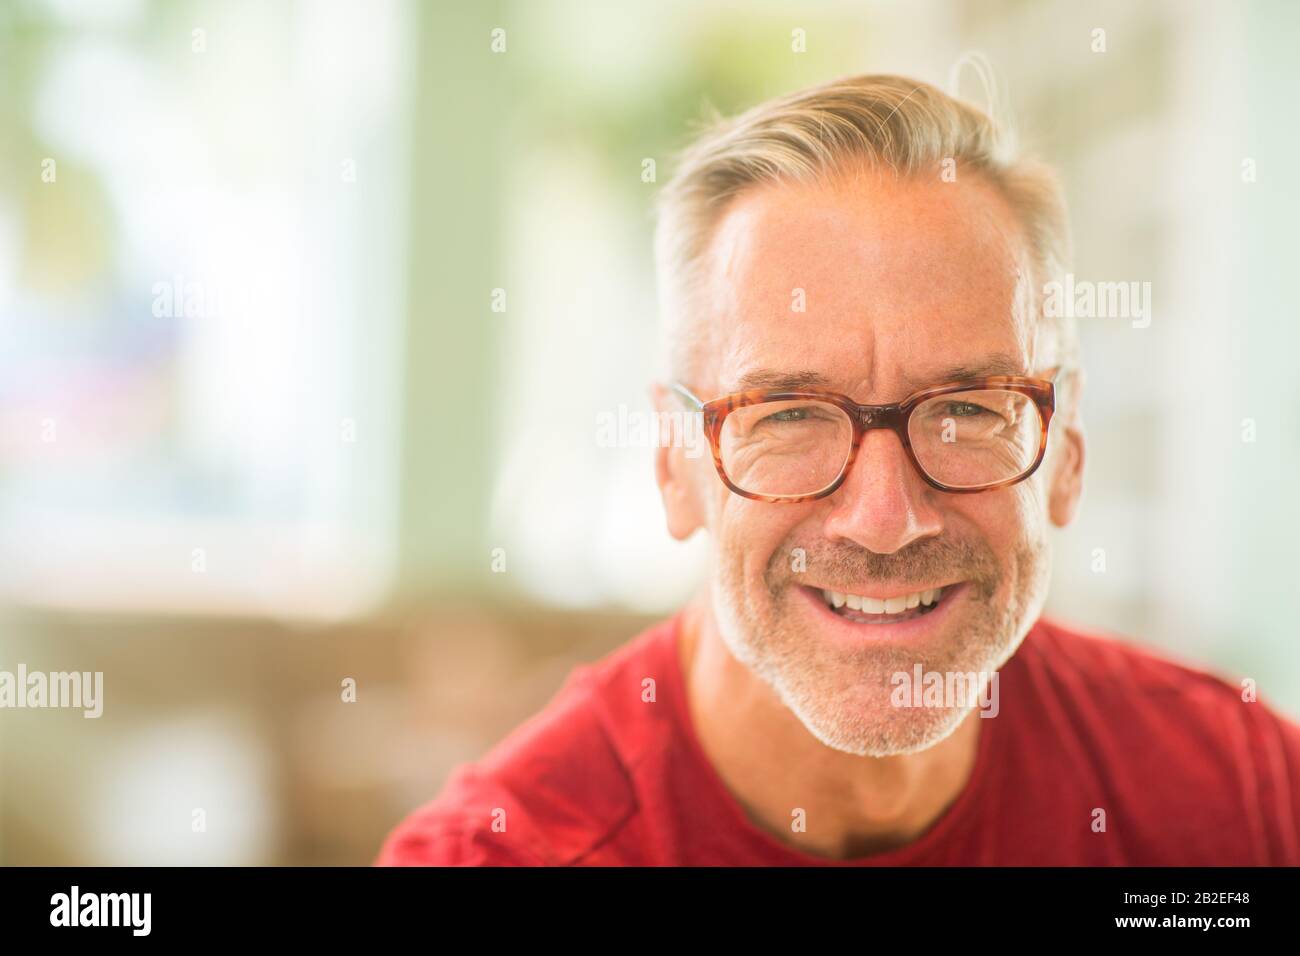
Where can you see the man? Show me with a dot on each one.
(852, 278)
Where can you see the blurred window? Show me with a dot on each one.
(202, 257)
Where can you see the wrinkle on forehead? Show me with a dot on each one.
(750, 260)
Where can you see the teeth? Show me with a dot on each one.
(894, 605)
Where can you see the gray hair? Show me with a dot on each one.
(885, 121)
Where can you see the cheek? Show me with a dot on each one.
(1020, 540)
(749, 533)
(1011, 521)
(1030, 506)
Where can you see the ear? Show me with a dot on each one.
(682, 505)
(1067, 474)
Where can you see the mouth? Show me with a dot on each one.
(882, 611)
(871, 610)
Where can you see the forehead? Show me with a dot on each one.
(875, 284)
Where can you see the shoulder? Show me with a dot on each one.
(556, 787)
(1159, 687)
(1118, 669)
(1169, 729)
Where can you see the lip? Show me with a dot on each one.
(912, 630)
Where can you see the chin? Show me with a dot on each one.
(835, 676)
(872, 727)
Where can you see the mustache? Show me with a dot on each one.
(928, 559)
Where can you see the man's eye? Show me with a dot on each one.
(965, 409)
(788, 415)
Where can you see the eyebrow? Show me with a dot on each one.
(984, 368)
(779, 380)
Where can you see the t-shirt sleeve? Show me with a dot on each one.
(449, 844)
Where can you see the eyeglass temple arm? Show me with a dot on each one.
(684, 394)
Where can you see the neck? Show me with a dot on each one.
(854, 806)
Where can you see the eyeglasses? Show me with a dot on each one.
(798, 445)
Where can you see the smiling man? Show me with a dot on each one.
(852, 281)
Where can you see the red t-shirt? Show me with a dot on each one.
(1187, 772)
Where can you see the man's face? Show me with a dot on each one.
(906, 283)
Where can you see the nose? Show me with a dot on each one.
(883, 505)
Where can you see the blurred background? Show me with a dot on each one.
(308, 313)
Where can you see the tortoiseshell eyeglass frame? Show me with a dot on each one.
(867, 417)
